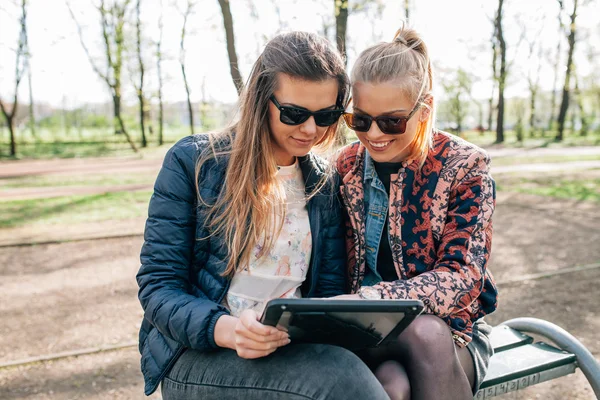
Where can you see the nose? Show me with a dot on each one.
(374, 133)
(309, 126)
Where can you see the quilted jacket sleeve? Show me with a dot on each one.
(457, 278)
(167, 254)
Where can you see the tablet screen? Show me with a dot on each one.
(352, 324)
(380, 323)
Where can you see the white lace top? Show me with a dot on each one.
(280, 272)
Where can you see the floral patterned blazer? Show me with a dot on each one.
(440, 230)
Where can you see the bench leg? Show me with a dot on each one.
(585, 360)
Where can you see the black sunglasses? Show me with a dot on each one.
(291, 115)
(387, 124)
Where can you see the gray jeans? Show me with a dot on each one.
(300, 371)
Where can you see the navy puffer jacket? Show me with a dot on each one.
(181, 287)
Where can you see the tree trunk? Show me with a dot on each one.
(564, 105)
(160, 105)
(556, 68)
(29, 79)
(160, 120)
(532, 112)
(119, 118)
(479, 116)
(20, 67)
(583, 131)
(341, 23)
(490, 112)
(9, 117)
(233, 61)
(31, 111)
(494, 76)
(142, 118)
(189, 102)
(140, 89)
(160, 80)
(13, 141)
(182, 63)
(501, 76)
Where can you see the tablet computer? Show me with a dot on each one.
(353, 324)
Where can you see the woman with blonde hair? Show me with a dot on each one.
(419, 203)
(242, 216)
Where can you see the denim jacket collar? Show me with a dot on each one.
(370, 176)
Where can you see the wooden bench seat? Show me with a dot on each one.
(518, 363)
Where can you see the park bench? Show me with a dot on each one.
(520, 361)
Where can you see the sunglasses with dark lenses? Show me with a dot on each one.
(291, 115)
(387, 124)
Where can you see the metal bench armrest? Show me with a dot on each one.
(585, 360)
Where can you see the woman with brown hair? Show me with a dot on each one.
(420, 203)
(242, 216)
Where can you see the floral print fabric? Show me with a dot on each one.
(280, 272)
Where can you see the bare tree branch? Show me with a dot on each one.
(186, 13)
(85, 48)
(112, 20)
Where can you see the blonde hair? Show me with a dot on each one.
(404, 61)
(251, 193)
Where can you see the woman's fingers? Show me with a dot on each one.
(249, 353)
(254, 340)
(243, 342)
(249, 319)
(242, 331)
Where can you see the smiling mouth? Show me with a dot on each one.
(303, 141)
(380, 145)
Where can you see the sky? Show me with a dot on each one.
(457, 33)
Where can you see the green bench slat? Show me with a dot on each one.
(505, 338)
(524, 366)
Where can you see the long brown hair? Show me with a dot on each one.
(251, 194)
(405, 61)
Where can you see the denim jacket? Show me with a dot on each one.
(376, 207)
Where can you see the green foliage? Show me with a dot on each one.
(457, 90)
(75, 118)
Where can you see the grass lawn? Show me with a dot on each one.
(583, 188)
(89, 143)
(74, 209)
(551, 159)
(488, 139)
(78, 180)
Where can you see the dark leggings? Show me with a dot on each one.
(423, 363)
